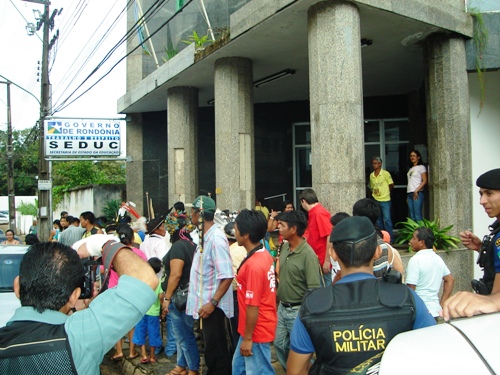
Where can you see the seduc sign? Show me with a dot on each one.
(84, 137)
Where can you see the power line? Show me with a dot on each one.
(70, 75)
(148, 15)
(18, 11)
(22, 88)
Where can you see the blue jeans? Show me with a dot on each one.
(257, 364)
(327, 278)
(188, 355)
(384, 219)
(170, 346)
(286, 317)
(415, 206)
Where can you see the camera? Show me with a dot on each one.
(392, 276)
(90, 278)
(480, 287)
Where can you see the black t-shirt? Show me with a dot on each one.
(183, 250)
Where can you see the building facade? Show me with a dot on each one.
(295, 94)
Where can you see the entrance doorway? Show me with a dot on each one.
(302, 167)
(387, 138)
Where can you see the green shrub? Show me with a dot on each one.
(28, 208)
(441, 239)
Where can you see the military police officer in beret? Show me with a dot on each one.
(487, 288)
(349, 324)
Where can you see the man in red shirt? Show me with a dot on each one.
(318, 230)
(256, 298)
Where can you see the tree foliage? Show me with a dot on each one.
(65, 174)
(28, 208)
(25, 159)
(71, 174)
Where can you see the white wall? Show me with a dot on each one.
(23, 223)
(76, 202)
(485, 141)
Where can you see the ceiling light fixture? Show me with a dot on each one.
(273, 77)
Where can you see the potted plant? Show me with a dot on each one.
(171, 52)
(199, 42)
(442, 240)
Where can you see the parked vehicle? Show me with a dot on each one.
(463, 346)
(3, 238)
(4, 219)
(10, 260)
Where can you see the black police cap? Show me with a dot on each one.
(353, 230)
(489, 180)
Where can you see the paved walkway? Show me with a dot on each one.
(163, 365)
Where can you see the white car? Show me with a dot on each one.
(4, 219)
(463, 346)
(10, 260)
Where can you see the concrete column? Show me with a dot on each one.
(448, 131)
(182, 125)
(234, 133)
(336, 101)
(135, 168)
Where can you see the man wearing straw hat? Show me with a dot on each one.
(209, 298)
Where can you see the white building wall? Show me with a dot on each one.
(23, 222)
(76, 202)
(485, 141)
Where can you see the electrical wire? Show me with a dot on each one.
(72, 18)
(147, 15)
(70, 73)
(18, 11)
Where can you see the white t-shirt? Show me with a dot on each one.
(426, 270)
(95, 243)
(415, 177)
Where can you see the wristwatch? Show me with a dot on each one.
(214, 302)
(166, 299)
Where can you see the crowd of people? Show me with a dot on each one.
(336, 288)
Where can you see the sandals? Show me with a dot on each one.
(117, 357)
(145, 360)
(152, 359)
(133, 356)
(178, 370)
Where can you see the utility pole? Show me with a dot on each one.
(44, 196)
(45, 209)
(10, 163)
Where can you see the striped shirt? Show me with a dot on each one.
(208, 269)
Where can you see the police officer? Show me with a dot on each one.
(487, 298)
(351, 322)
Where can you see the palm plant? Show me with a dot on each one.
(442, 240)
(199, 42)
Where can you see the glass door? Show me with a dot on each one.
(302, 177)
(389, 139)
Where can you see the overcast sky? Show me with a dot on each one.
(82, 25)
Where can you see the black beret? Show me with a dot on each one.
(489, 180)
(153, 224)
(352, 229)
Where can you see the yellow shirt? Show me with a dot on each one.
(380, 185)
(264, 210)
